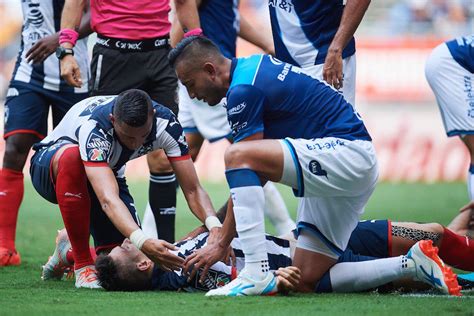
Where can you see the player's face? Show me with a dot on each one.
(132, 137)
(127, 252)
(202, 83)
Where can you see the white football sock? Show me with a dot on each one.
(276, 211)
(365, 275)
(470, 182)
(148, 224)
(248, 210)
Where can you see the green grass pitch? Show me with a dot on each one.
(23, 292)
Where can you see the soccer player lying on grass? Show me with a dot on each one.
(126, 268)
(91, 146)
(289, 128)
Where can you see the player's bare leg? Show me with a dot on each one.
(312, 265)
(17, 147)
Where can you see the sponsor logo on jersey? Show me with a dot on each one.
(34, 16)
(315, 168)
(275, 61)
(237, 127)
(237, 109)
(131, 46)
(96, 155)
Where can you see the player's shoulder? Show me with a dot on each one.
(244, 70)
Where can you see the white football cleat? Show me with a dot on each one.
(430, 268)
(86, 277)
(244, 285)
(57, 264)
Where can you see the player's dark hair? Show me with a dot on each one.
(132, 107)
(195, 46)
(112, 277)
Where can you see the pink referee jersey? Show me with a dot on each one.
(130, 19)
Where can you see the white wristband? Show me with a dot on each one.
(211, 222)
(138, 238)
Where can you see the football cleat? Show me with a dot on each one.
(466, 281)
(430, 268)
(57, 264)
(9, 257)
(244, 285)
(86, 277)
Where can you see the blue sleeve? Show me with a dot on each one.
(245, 106)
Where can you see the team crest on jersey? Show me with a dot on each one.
(214, 279)
(98, 147)
(237, 109)
(315, 168)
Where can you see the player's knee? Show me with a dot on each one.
(70, 162)
(436, 228)
(15, 154)
(236, 157)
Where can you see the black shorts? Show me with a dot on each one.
(114, 70)
(104, 233)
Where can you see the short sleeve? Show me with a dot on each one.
(245, 106)
(174, 142)
(94, 144)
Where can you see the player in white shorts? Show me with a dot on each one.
(450, 73)
(312, 141)
(318, 36)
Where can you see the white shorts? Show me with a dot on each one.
(453, 86)
(334, 178)
(349, 71)
(198, 117)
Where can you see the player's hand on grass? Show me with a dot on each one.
(158, 251)
(288, 279)
(70, 71)
(203, 259)
(43, 49)
(332, 69)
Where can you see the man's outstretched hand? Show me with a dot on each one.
(288, 279)
(159, 252)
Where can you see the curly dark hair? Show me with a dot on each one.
(115, 277)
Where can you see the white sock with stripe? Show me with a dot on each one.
(276, 211)
(365, 275)
(249, 201)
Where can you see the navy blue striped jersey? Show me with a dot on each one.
(88, 124)
(220, 22)
(40, 19)
(304, 29)
(276, 98)
(462, 50)
(220, 274)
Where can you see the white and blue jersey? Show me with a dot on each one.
(269, 96)
(220, 22)
(42, 18)
(220, 273)
(88, 125)
(462, 50)
(304, 29)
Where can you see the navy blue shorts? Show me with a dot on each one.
(372, 238)
(27, 107)
(102, 230)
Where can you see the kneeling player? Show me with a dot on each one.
(91, 146)
(288, 128)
